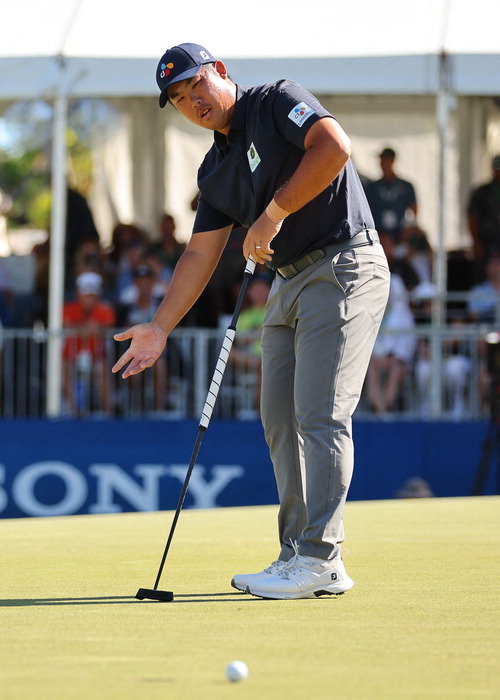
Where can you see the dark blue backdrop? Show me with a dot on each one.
(65, 467)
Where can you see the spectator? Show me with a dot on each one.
(90, 257)
(7, 298)
(456, 352)
(484, 298)
(159, 275)
(415, 487)
(79, 227)
(247, 350)
(457, 367)
(125, 237)
(41, 254)
(484, 308)
(5, 207)
(421, 302)
(168, 249)
(143, 299)
(86, 380)
(416, 249)
(484, 217)
(392, 199)
(400, 266)
(460, 277)
(131, 257)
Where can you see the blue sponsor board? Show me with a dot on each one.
(66, 467)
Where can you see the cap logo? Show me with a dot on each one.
(166, 69)
(204, 55)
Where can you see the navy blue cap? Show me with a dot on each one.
(180, 63)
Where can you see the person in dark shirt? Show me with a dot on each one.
(391, 198)
(280, 166)
(484, 218)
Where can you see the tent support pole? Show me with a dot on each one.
(443, 108)
(57, 244)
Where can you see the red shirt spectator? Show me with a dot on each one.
(88, 313)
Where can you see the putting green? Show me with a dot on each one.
(421, 622)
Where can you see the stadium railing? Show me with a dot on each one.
(446, 380)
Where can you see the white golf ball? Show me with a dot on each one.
(237, 671)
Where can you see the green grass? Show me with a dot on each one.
(421, 622)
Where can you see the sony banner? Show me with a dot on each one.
(50, 468)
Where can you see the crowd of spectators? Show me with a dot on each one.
(401, 355)
(122, 285)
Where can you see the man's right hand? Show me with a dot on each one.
(148, 343)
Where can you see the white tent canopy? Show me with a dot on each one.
(391, 48)
(391, 71)
(106, 47)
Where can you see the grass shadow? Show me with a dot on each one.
(120, 600)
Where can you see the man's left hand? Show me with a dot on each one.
(258, 239)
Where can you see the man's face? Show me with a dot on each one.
(88, 301)
(386, 164)
(145, 284)
(207, 99)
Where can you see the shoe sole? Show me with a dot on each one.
(301, 594)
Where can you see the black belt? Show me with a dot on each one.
(366, 237)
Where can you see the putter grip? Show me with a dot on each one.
(217, 378)
(250, 266)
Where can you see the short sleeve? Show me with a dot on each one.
(295, 110)
(209, 219)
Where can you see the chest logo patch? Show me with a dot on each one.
(253, 157)
(300, 113)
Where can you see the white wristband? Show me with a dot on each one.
(275, 212)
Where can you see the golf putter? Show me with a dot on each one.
(168, 596)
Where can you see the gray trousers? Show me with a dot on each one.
(318, 336)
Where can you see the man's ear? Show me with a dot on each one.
(221, 69)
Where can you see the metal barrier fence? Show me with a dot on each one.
(446, 379)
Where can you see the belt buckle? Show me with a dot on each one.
(308, 259)
(282, 271)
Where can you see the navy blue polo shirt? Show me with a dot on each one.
(242, 172)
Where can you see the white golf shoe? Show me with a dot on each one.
(303, 577)
(243, 581)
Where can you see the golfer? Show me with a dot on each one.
(280, 166)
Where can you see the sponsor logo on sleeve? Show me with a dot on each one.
(300, 113)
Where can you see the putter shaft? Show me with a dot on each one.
(166, 596)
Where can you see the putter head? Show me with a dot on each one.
(154, 594)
